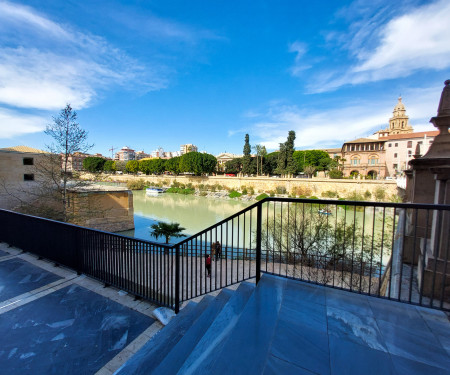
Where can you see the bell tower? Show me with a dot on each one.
(398, 123)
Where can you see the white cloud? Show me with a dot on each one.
(300, 50)
(15, 124)
(45, 65)
(415, 40)
(321, 128)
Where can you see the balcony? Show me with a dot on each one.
(340, 289)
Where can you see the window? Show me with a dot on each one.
(373, 160)
(28, 177)
(355, 161)
(409, 153)
(395, 155)
(28, 161)
(395, 166)
(390, 144)
(409, 145)
(396, 145)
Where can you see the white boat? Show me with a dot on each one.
(154, 192)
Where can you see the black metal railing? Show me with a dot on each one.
(391, 250)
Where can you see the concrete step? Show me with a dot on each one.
(154, 351)
(214, 338)
(252, 335)
(181, 351)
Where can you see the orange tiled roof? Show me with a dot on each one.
(23, 149)
(432, 133)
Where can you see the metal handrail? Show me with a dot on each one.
(253, 242)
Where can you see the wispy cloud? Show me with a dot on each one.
(319, 128)
(16, 124)
(45, 65)
(392, 45)
(300, 50)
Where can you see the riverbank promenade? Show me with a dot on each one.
(55, 321)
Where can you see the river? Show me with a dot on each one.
(192, 212)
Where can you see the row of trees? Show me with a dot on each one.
(192, 162)
(286, 161)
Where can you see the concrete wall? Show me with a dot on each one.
(13, 187)
(309, 187)
(109, 209)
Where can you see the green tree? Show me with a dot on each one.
(166, 230)
(93, 164)
(246, 159)
(233, 166)
(132, 166)
(120, 165)
(109, 166)
(281, 162)
(173, 165)
(271, 162)
(291, 168)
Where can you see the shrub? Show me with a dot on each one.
(367, 194)
(234, 194)
(261, 196)
(181, 191)
(330, 194)
(313, 197)
(301, 190)
(244, 191)
(251, 191)
(335, 173)
(354, 196)
(272, 193)
(203, 193)
(281, 190)
(136, 184)
(380, 194)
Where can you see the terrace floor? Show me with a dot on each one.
(53, 321)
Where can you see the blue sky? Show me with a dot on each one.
(164, 73)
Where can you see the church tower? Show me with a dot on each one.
(398, 123)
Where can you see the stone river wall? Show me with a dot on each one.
(297, 186)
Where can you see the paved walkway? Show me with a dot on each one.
(54, 321)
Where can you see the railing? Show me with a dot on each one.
(391, 250)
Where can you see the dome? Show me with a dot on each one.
(400, 106)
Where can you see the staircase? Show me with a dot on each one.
(202, 338)
(283, 326)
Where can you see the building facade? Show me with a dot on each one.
(401, 148)
(125, 154)
(19, 177)
(184, 149)
(365, 157)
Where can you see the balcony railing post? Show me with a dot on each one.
(177, 279)
(258, 241)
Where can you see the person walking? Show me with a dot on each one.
(218, 250)
(208, 265)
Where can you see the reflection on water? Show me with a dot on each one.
(192, 212)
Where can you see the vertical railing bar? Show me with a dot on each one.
(287, 242)
(436, 254)
(371, 249)
(362, 250)
(411, 274)
(177, 279)
(392, 254)
(258, 241)
(353, 246)
(402, 253)
(424, 256)
(444, 273)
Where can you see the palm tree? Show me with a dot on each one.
(167, 230)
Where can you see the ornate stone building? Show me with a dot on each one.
(398, 123)
(365, 157)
